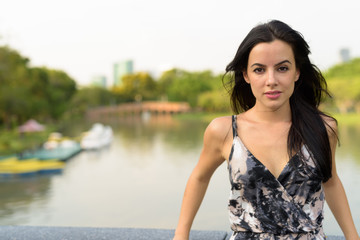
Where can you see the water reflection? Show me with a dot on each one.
(349, 142)
(139, 180)
(348, 168)
(17, 195)
(159, 132)
(183, 135)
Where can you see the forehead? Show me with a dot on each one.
(268, 53)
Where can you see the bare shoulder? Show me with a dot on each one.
(330, 123)
(219, 128)
(331, 127)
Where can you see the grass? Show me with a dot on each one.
(349, 119)
(12, 142)
(201, 116)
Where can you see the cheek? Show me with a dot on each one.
(291, 88)
(256, 87)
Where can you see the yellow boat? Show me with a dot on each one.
(14, 166)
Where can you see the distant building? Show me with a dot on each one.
(344, 55)
(99, 81)
(120, 69)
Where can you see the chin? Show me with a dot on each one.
(278, 106)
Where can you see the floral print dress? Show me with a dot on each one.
(262, 206)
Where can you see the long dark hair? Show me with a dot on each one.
(308, 126)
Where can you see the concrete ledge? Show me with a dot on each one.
(85, 233)
(80, 233)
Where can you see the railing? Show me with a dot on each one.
(138, 108)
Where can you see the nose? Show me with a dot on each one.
(271, 78)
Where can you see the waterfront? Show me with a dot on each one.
(139, 181)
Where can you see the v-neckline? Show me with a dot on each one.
(258, 161)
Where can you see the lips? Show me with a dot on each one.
(273, 94)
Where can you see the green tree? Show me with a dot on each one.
(346, 92)
(60, 90)
(167, 79)
(31, 92)
(344, 83)
(39, 87)
(137, 86)
(89, 97)
(14, 87)
(344, 70)
(214, 101)
(180, 85)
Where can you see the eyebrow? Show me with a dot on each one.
(262, 65)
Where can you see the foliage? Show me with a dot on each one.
(89, 97)
(344, 84)
(349, 119)
(206, 117)
(14, 91)
(344, 70)
(136, 87)
(214, 101)
(27, 92)
(60, 90)
(46, 94)
(166, 80)
(180, 85)
(12, 142)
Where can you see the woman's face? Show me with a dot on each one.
(272, 73)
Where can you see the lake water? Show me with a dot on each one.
(139, 181)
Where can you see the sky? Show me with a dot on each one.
(85, 38)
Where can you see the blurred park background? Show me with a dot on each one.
(61, 64)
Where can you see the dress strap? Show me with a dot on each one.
(234, 126)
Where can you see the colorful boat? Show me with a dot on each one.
(97, 137)
(63, 151)
(14, 167)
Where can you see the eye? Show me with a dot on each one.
(283, 68)
(259, 70)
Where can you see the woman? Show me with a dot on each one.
(280, 148)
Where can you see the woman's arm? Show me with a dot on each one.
(210, 158)
(335, 193)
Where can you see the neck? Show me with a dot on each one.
(282, 114)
